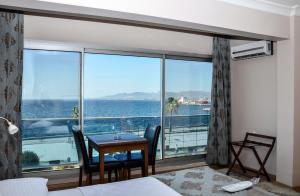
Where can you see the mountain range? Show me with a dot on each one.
(156, 96)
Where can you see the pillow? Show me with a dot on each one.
(24, 187)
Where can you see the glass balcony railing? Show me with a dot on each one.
(186, 135)
(48, 142)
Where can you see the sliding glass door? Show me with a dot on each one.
(50, 100)
(187, 106)
(121, 93)
(115, 93)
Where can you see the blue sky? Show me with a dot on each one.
(112, 74)
(55, 75)
(51, 75)
(188, 75)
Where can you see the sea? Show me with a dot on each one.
(46, 125)
(52, 118)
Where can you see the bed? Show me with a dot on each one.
(147, 186)
(196, 181)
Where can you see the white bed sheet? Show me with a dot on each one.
(67, 192)
(142, 186)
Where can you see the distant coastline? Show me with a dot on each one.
(101, 108)
(135, 96)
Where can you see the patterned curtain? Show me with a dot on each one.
(11, 68)
(220, 124)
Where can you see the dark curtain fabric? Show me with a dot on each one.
(11, 68)
(220, 124)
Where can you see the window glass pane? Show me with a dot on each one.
(187, 106)
(51, 86)
(121, 94)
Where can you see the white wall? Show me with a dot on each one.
(285, 112)
(111, 36)
(288, 124)
(208, 12)
(266, 97)
(262, 89)
(296, 162)
(254, 83)
(206, 15)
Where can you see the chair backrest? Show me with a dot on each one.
(152, 136)
(83, 158)
(147, 131)
(70, 124)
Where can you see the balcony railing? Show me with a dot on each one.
(51, 138)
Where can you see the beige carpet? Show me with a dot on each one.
(204, 181)
(268, 186)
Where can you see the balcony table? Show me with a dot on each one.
(107, 143)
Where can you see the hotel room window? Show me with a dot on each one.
(187, 106)
(50, 100)
(121, 94)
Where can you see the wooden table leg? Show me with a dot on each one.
(101, 165)
(145, 157)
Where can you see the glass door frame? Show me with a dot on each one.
(163, 79)
(55, 48)
(163, 55)
(132, 54)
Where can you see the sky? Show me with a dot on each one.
(51, 74)
(188, 75)
(56, 75)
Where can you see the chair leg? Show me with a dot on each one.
(80, 177)
(89, 178)
(143, 170)
(153, 169)
(116, 175)
(122, 174)
(125, 174)
(109, 175)
(129, 173)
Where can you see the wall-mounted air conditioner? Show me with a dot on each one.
(252, 50)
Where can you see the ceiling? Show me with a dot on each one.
(92, 3)
(282, 7)
(289, 3)
(73, 33)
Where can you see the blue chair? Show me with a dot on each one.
(90, 166)
(135, 159)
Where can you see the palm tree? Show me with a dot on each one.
(75, 112)
(172, 106)
(73, 121)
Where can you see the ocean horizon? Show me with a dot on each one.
(52, 118)
(59, 108)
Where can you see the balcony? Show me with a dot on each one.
(52, 141)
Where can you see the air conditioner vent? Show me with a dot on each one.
(252, 50)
